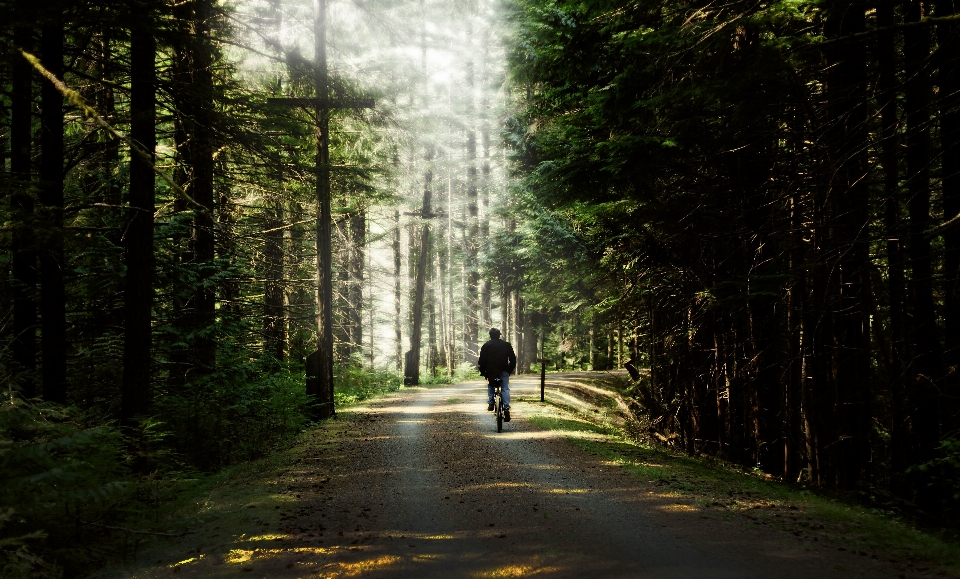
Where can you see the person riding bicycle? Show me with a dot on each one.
(497, 360)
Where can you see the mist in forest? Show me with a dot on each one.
(224, 220)
(438, 74)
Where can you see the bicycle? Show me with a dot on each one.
(498, 409)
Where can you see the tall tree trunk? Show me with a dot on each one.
(183, 128)
(53, 339)
(298, 298)
(452, 344)
(889, 119)
(850, 447)
(609, 365)
(398, 290)
(430, 298)
(412, 371)
(341, 294)
(358, 241)
(371, 328)
(273, 316)
(471, 326)
(949, 52)
(202, 189)
(442, 318)
(24, 257)
(324, 393)
(796, 306)
(274, 313)
(138, 238)
(590, 348)
(485, 288)
(925, 369)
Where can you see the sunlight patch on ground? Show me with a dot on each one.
(678, 508)
(246, 555)
(344, 569)
(238, 556)
(186, 562)
(515, 571)
(497, 485)
(270, 537)
(408, 536)
(544, 434)
(548, 434)
(532, 486)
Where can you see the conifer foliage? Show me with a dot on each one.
(755, 202)
(159, 253)
(143, 186)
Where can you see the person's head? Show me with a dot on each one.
(494, 334)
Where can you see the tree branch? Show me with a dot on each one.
(75, 98)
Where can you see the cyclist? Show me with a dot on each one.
(497, 360)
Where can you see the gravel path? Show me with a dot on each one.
(420, 484)
(452, 497)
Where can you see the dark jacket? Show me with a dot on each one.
(496, 356)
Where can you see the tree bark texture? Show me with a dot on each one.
(53, 338)
(24, 251)
(926, 361)
(273, 291)
(138, 238)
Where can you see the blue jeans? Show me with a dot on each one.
(505, 390)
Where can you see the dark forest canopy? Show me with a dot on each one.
(761, 198)
(756, 207)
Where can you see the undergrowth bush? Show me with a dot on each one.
(942, 475)
(355, 384)
(75, 490)
(72, 486)
(61, 479)
(238, 413)
(462, 373)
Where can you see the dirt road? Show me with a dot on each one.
(420, 484)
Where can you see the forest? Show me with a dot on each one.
(223, 219)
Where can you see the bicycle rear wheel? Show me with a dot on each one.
(498, 410)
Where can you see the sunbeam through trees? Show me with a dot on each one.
(222, 219)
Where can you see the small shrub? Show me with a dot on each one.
(942, 476)
(60, 479)
(238, 413)
(354, 384)
(462, 373)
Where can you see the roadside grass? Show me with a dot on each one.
(241, 505)
(719, 490)
(569, 424)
